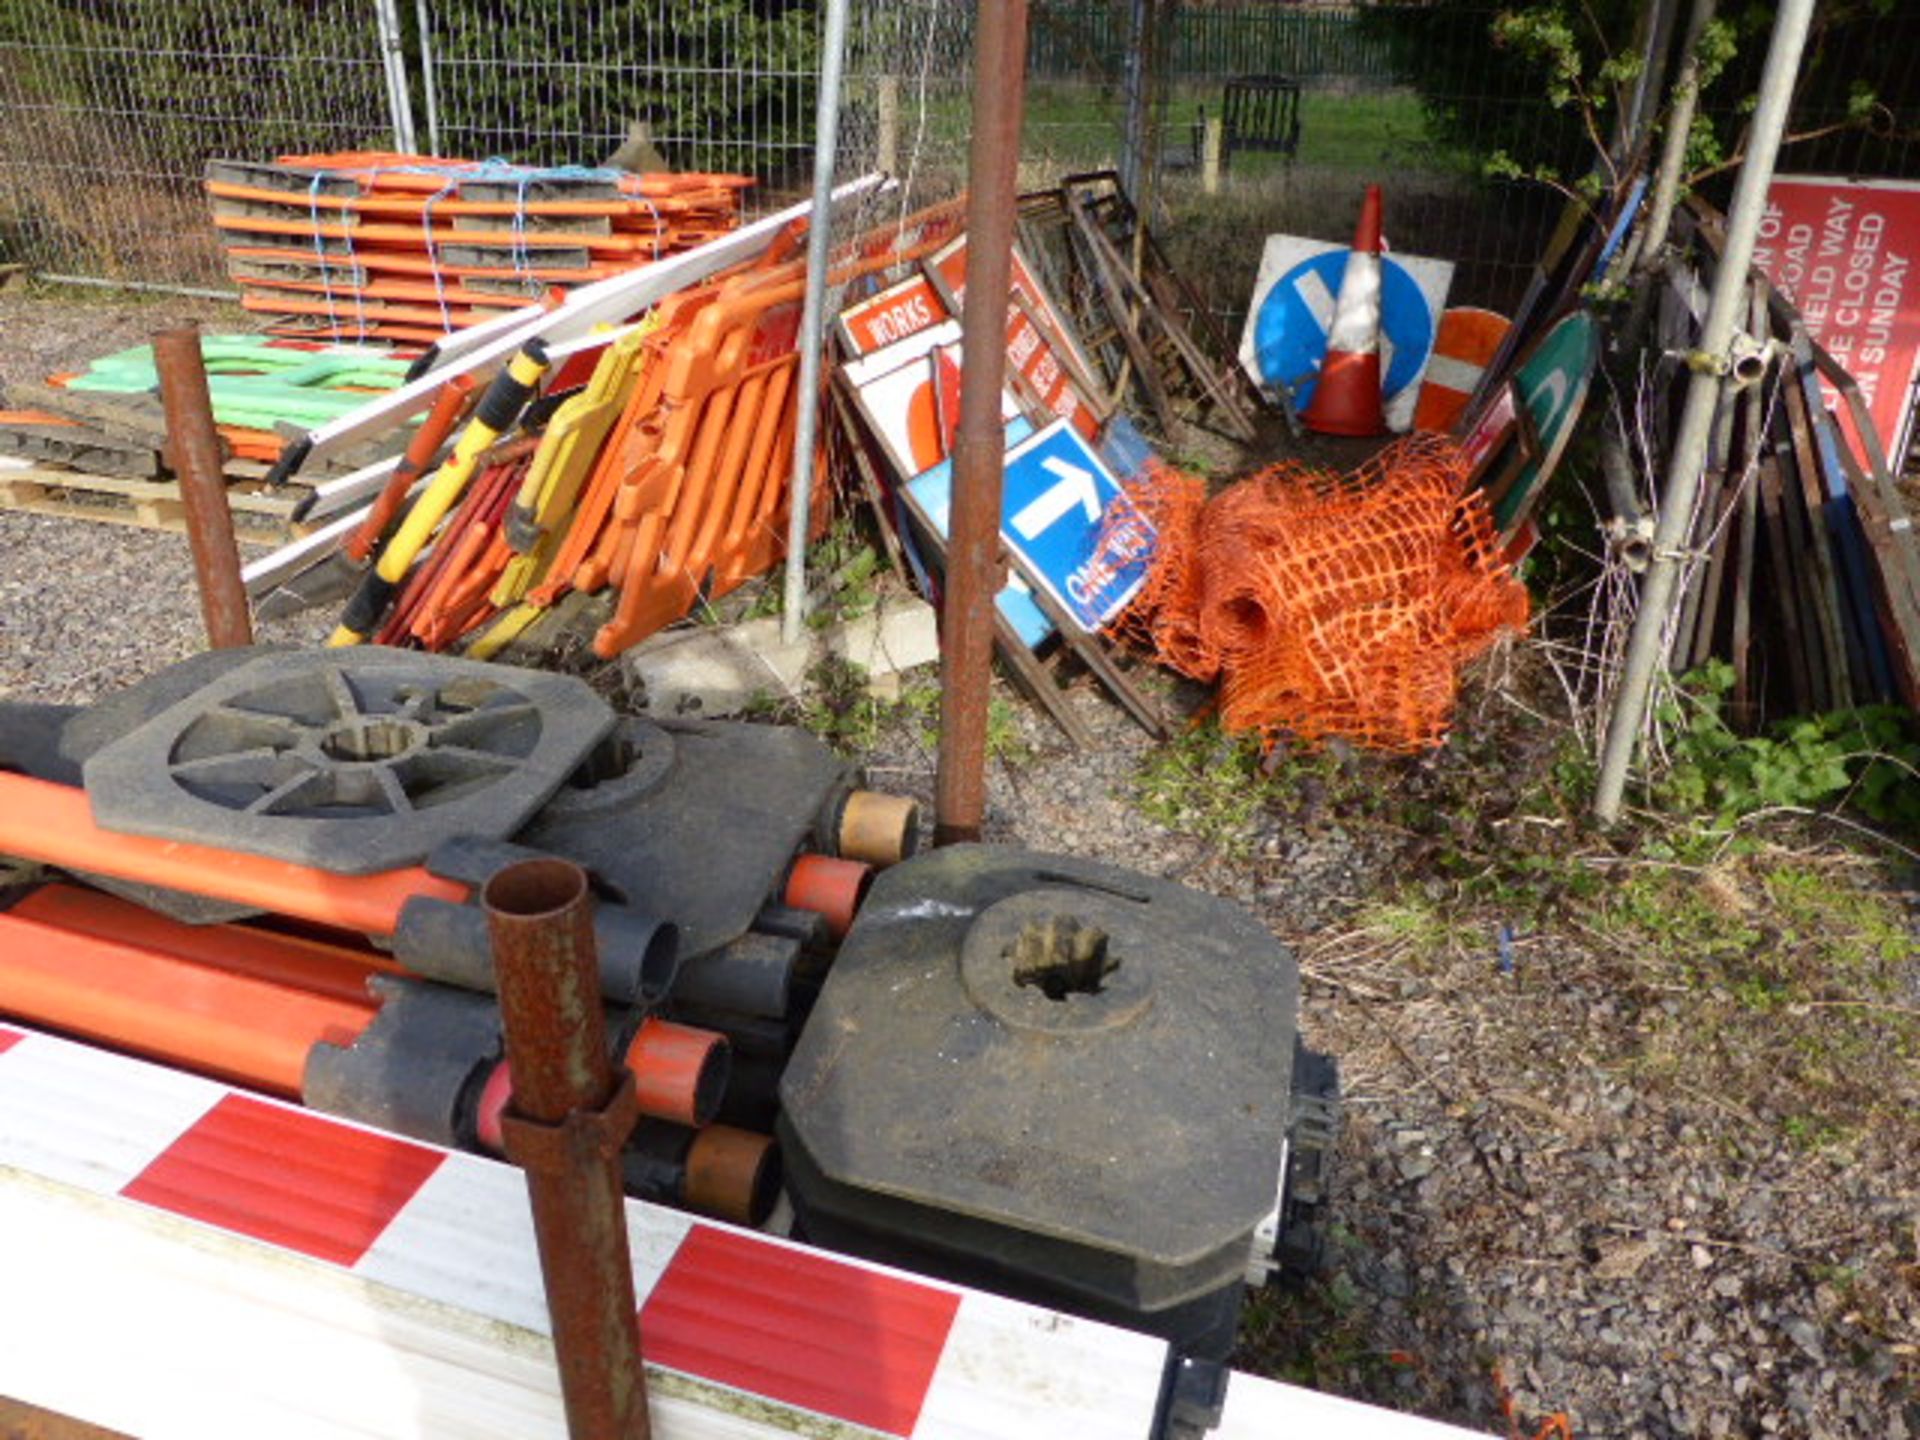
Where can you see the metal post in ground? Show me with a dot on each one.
(193, 449)
(423, 23)
(570, 1113)
(813, 320)
(979, 451)
(1133, 139)
(1710, 362)
(1673, 152)
(393, 58)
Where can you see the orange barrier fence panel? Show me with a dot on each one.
(233, 1027)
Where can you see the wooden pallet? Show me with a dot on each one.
(149, 504)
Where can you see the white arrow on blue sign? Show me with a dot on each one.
(1057, 500)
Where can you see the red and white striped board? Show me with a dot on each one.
(1463, 346)
(178, 1258)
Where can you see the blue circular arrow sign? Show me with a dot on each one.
(1290, 333)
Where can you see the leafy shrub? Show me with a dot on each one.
(1868, 758)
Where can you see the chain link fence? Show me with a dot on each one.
(109, 109)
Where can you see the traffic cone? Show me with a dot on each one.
(1346, 399)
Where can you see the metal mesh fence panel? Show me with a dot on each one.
(108, 111)
(724, 85)
(109, 108)
(1362, 118)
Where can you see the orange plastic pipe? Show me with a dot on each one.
(295, 961)
(680, 1072)
(231, 1027)
(829, 887)
(53, 825)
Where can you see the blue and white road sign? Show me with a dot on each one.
(1285, 341)
(1057, 500)
(931, 495)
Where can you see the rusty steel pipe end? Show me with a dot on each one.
(530, 892)
(733, 1175)
(195, 455)
(547, 972)
(876, 828)
(569, 1113)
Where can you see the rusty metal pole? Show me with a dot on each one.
(193, 447)
(973, 545)
(571, 1112)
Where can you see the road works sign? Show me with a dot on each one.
(1072, 527)
(1843, 252)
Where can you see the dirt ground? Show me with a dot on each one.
(1632, 1120)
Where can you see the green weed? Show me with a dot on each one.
(1866, 757)
(1206, 784)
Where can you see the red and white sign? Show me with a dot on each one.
(894, 314)
(1843, 251)
(909, 393)
(1037, 364)
(1039, 351)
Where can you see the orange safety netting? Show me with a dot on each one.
(1328, 605)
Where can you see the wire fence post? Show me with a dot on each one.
(813, 321)
(423, 39)
(1724, 310)
(393, 55)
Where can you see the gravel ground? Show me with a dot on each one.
(87, 608)
(1591, 1170)
(1526, 1188)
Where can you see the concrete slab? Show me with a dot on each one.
(716, 671)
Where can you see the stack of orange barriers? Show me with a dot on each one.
(662, 473)
(409, 248)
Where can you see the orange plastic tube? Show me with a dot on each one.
(830, 888)
(680, 1072)
(295, 961)
(231, 1027)
(50, 823)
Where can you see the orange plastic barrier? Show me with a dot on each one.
(326, 225)
(52, 824)
(233, 1027)
(1328, 605)
(686, 496)
(702, 500)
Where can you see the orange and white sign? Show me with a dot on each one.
(894, 314)
(910, 395)
(1463, 347)
(1842, 251)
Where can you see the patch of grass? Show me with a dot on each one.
(1782, 981)
(837, 706)
(920, 707)
(1359, 131)
(1206, 784)
(846, 574)
(1419, 927)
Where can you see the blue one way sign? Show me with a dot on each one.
(1057, 502)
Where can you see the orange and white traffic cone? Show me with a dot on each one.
(1346, 398)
